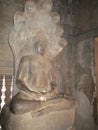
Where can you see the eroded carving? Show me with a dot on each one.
(36, 40)
(37, 79)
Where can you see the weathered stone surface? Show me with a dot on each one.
(7, 10)
(28, 24)
(84, 14)
(84, 113)
(84, 77)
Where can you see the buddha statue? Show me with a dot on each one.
(37, 79)
(39, 103)
(39, 98)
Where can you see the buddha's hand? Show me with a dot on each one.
(41, 98)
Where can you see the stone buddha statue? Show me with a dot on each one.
(39, 99)
(36, 40)
(37, 80)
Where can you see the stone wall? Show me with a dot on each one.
(84, 14)
(7, 10)
(77, 59)
(84, 76)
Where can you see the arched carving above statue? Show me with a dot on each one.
(37, 17)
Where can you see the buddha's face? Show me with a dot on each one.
(40, 48)
(46, 5)
(30, 7)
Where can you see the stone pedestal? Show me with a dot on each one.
(58, 115)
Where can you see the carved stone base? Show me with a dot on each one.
(57, 116)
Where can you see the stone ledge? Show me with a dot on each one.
(55, 119)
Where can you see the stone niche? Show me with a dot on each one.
(71, 63)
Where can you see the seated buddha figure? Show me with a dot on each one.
(37, 80)
(39, 101)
